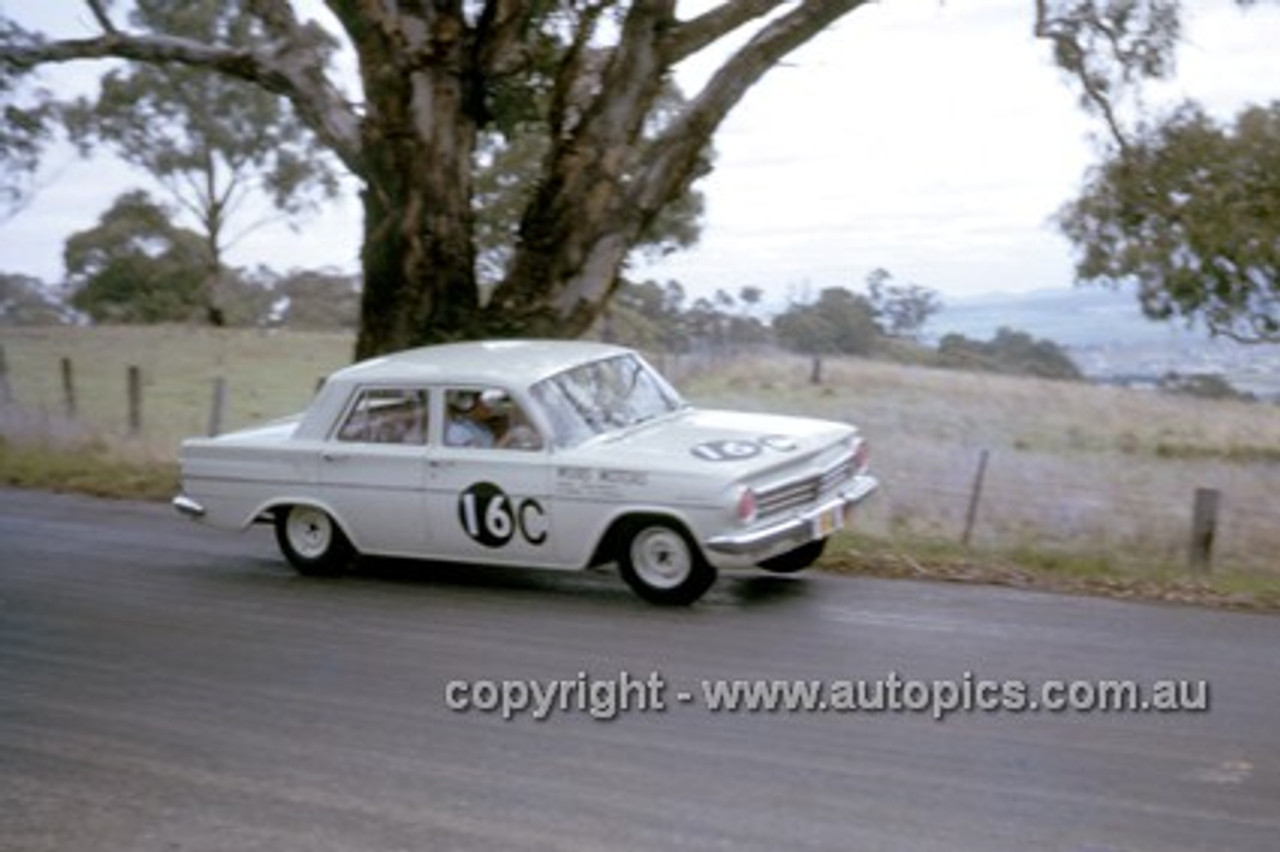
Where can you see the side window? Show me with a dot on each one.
(387, 416)
(487, 418)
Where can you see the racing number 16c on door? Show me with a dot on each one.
(491, 518)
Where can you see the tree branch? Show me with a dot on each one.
(1107, 49)
(569, 77)
(696, 33)
(1071, 57)
(499, 36)
(676, 153)
(596, 187)
(100, 14)
(299, 58)
(285, 74)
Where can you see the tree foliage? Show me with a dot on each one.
(215, 143)
(839, 321)
(26, 122)
(1010, 351)
(315, 299)
(509, 164)
(1211, 386)
(655, 316)
(1190, 211)
(1109, 48)
(28, 301)
(901, 310)
(135, 266)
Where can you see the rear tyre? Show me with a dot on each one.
(312, 541)
(662, 565)
(795, 560)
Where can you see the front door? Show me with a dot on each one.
(488, 494)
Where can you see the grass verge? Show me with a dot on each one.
(91, 469)
(1064, 573)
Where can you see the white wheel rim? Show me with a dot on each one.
(661, 558)
(310, 532)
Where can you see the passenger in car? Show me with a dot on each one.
(469, 420)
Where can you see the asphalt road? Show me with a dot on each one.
(168, 687)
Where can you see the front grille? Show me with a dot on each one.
(804, 491)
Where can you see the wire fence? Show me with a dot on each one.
(1099, 513)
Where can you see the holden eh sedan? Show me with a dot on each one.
(536, 454)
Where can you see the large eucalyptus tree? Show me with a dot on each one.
(436, 76)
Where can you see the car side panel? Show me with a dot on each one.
(233, 482)
(377, 492)
(493, 505)
(591, 495)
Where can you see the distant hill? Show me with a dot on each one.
(1075, 318)
(1107, 336)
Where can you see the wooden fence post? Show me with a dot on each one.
(6, 390)
(68, 388)
(975, 496)
(135, 401)
(1204, 528)
(219, 403)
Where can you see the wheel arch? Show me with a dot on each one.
(620, 527)
(268, 511)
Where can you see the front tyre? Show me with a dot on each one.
(312, 542)
(795, 560)
(661, 564)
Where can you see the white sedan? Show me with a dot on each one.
(538, 454)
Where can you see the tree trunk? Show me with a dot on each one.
(212, 288)
(586, 215)
(418, 262)
(419, 135)
(214, 314)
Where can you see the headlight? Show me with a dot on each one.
(861, 454)
(746, 506)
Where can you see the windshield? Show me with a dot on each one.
(602, 396)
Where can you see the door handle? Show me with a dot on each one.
(334, 456)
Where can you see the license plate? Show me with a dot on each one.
(828, 521)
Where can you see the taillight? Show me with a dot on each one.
(746, 508)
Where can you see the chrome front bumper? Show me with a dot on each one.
(188, 507)
(797, 528)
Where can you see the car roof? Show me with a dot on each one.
(508, 363)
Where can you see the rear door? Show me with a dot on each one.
(373, 472)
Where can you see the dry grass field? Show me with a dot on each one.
(1082, 479)
(267, 374)
(1085, 483)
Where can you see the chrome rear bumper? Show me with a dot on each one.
(188, 507)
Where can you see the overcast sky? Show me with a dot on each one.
(933, 139)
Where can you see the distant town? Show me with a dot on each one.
(1110, 341)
